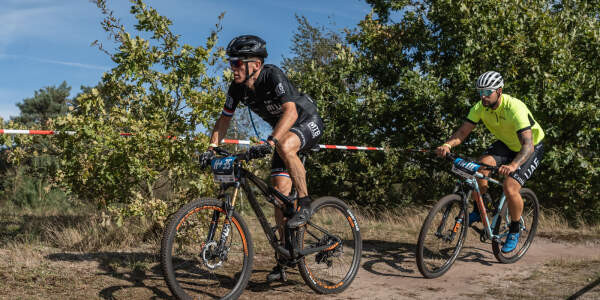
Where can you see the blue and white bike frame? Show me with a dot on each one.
(468, 170)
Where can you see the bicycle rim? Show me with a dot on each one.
(333, 269)
(529, 221)
(194, 266)
(441, 239)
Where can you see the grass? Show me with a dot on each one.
(53, 254)
(558, 278)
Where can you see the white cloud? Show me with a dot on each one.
(52, 61)
(26, 23)
(57, 62)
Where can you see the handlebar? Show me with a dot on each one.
(252, 153)
(452, 158)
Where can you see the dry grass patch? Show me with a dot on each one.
(556, 228)
(556, 279)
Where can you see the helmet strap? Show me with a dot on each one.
(247, 73)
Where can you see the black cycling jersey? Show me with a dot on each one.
(271, 89)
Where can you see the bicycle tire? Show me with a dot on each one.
(187, 271)
(434, 263)
(530, 216)
(332, 270)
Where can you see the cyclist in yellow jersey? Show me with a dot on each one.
(517, 152)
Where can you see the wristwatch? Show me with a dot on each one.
(272, 138)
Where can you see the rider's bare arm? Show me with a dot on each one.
(457, 137)
(220, 129)
(526, 139)
(461, 134)
(287, 120)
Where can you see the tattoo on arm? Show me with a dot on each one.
(526, 147)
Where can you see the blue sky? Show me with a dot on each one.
(45, 42)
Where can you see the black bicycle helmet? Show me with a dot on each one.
(247, 46)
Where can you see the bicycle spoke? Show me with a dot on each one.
(198, 266)
(332, 269)
(441, 237)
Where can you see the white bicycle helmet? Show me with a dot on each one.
(490, 80)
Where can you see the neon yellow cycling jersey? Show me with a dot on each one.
(506, 121)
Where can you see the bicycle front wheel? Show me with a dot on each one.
(529, 222)
(333, 269)
(198, 261)
(442, 236)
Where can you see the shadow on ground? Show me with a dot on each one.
(387, 258)
(127, 266)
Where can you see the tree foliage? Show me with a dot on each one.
(47, 103)
(161, 92)
(404, 78)
(29, 164)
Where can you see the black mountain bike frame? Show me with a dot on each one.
(243, 179)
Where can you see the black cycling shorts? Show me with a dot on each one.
(504, 156)
(309, 132)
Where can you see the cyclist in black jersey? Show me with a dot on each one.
(293, 116)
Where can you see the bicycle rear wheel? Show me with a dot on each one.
(529, 222)
(195, 264)
(442, 236)
(333, 269)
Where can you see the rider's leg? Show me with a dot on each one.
(487, 159)
(288, 149)
(281, 182)
(280, 179)
(483, 184)
(512, 190)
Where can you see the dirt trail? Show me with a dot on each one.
(393, 274)
(388, 271)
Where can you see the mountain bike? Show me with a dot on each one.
(444, 232)
(207, 249)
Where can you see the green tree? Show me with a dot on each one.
(422, 58)
(47, 103)
(158, 89)
(29, 164)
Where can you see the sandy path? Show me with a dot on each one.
(393, 274)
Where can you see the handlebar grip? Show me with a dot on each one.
(221, 151)
(451, 156)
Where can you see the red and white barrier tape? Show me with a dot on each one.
(246, 142)
(224, 141)
(33, 132)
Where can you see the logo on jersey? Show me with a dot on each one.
(314, 129)
(279, 89)
(229, 101)
(273, 108)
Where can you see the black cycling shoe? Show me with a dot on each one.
(278, 273)
(300, 218)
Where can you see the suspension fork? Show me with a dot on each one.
(459, 218)
(228, 206)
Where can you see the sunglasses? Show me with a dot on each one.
(237, 62)
(485, 92)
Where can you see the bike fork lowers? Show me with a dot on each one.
(229, 204)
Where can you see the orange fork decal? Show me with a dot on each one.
(456, 227)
